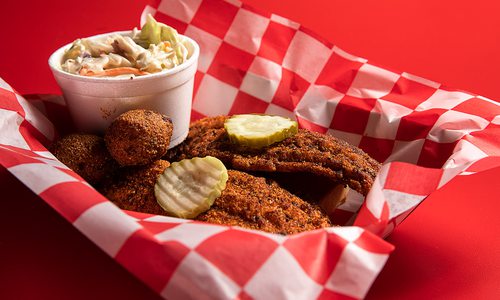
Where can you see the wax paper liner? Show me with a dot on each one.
(253, 61)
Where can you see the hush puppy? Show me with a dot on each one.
(85, 154)
(138, 137)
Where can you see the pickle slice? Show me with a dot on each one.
(189, 187)
(258, 131)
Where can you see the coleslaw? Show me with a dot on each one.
(154, 48)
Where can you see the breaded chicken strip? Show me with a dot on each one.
(247, 201)
(134, 188)
(307, 151)
(257, 203)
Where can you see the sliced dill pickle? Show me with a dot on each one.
(189, 187)
(258, 131)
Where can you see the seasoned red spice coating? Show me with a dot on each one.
(257, 203)
(247, 201)
(307, 151)
(133, 189)
(138, 137)
(85, 154)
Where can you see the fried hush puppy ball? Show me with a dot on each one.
(138, 137)
(85, 154)
(133, 189)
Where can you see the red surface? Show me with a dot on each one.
(448, 248)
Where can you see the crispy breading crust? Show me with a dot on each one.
(307, 151)
(138, 137)
(247, 201)
(86, 154)
(256, 203)
(134, 189)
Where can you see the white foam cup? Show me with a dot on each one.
(94, 102)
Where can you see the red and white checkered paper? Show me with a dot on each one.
(253, 61)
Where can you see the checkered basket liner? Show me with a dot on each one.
(253, 61)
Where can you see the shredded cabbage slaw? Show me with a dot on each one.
(154, 48)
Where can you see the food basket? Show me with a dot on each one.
(254, 61)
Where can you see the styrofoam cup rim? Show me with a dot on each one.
(55, 63)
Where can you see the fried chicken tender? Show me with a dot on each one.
(307, 151)
(134, 188)
(257, 203)
(86, 154)
(138, 137)
(247, 201)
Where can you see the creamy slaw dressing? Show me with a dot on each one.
(154, 48)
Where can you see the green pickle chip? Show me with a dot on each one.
(189, 187)
(259, 131)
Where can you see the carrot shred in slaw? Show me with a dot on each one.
(113, 72)
(154, 48)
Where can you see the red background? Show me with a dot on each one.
(448, 248)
